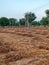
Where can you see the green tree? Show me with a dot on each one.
(29, 18)
(44, 21)
(12, 21)
(4, 21)
(17, 24)
(47, 13)
(35, 23)
(22, 21)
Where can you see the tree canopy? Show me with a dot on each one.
(28, 20)
(22, 21)
(4, 21)
(47, 13)
(29, 17)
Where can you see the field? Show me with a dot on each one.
(24, 46)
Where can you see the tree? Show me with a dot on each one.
(47, 13)
(22, 21)
(17, 24)
(12, 21)
(35, 23)
(44, 21)
(4, 21)
(29, 18)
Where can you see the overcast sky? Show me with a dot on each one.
(17, 8)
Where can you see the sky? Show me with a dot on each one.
(18, 8)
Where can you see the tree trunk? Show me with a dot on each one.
(27, 24)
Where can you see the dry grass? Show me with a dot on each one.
(21, 46)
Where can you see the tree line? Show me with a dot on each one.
(28, 20)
